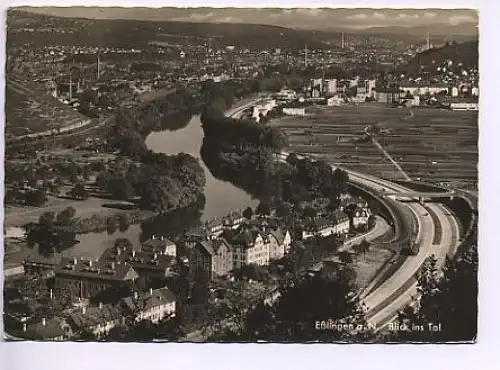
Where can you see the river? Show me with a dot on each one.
(221, 197)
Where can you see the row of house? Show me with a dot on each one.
(153, 306)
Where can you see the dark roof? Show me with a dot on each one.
(158, 243)
(338, 217)
(95, 315)
(36, 258)
(95, 269)
(279, 235)
(139, 260)
(146, 301)
(53, 328)
(207, 245)
(217, 243)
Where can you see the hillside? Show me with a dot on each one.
(29, 110)
(38, 29)
(466, 53)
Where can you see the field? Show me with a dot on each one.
(29, 110)
(432, 144)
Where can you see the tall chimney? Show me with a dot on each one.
(150, 291)
(43, 321)
(51, 293)
(70, 86)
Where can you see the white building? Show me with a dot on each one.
(160, 245)
(454, 91)
(294, 111)
(337, 224)
(249, 247)
(464, 106)
(286, 95)
(98, 320)
(334, 101)
(153, 305)
(475, 91)
(330, 87)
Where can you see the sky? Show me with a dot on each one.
(356, 19)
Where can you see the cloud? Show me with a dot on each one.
(458, 19)
(379, 15)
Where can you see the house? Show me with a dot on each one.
(53, 329)
(294, 111)
(334, 101)
(233, 220)
(358, 216)
(340, 222)
(279, 243)
(153, 305)
(330, 87)
(286, 95)
(160, 245)
(249, 246)
(97, 319)
(464, 105)
(87, 278)
(214, 256)
(337, 223)
(150, 265)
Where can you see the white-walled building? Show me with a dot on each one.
(338, 223)
(330, 87)
(153, 305)
(334, 101)
(294, 111)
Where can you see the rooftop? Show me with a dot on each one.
(95, 269)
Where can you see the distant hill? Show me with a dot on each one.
(466, 53)
(449, 31)
(137, 33)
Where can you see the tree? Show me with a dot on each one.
(263, 208)
(120, 188)
(345, 257)
(124, 222)
(248, 213)
(65, 217)
(79, 192)
(36, 198)
(293, 316)
(310, 213)
(102, 180)
(364, 247)
(86, 172)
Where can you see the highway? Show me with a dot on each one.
(393, 294)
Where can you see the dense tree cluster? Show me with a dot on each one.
(53, 232)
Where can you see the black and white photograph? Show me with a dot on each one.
(241, 175)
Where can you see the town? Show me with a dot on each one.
(200, 183)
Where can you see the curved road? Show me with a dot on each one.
(392, 295)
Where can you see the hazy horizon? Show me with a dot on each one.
(322, 19)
